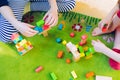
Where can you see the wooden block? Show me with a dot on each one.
(74, 74)
(53, 76)
(45, 33)
(103, 77)
(90, 74)
(60, 54)
(39, 69)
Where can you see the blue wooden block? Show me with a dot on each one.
(58, 40)
(20, 38)
(20, 53)
(60, 26)
(40, 29)
(36, 28)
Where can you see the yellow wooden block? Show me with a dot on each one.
(64, 42)
(85, 48)
(23, 42)
(88, 57)
(77, 45)
(82, 54)
(74, 74)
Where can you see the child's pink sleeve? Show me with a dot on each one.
(118, 13)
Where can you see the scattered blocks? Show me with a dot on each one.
(68, 61)
(103, 78)
(42, 28)
(60, 54)
(90, 74)
(58, 40)
(53, 76)
(74, 74)
(72, 34)
(39, 69)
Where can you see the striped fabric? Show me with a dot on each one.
(6, 29)
(43, 5)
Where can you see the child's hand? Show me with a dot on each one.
(51, 17)
(107, 21)
(25, 29)
(98, 46)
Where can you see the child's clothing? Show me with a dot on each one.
(6, 29)
(115, 65)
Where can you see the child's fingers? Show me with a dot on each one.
(48, 20)
(51, 21)
(45, 17)
(98, 40)
(54, 23)
(33, 31)
(31, 26)
(93, 42)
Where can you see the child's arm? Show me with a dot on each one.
(51, 17)
(24, 28)
(108, 18)
(113, 11)
(100, 47)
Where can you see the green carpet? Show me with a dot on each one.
(16, 67)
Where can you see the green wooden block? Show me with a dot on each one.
(81, 49)
(88, 53)
(91, 50)
(40, 23)
(53, 76)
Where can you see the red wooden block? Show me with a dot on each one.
(72, 34)
(45, 27)
(39, 69)
(104, 29)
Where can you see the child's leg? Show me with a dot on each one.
(43, 5)
(116, 48)
(117, 38)
(6, 29)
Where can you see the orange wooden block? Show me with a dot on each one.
(68, 60)
(90, 74)
(20, 49)
(60, 54)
